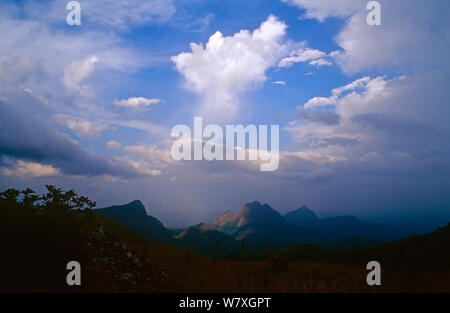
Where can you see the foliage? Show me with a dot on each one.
(54, 199)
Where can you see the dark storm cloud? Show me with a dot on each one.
(31, 137)
(393, 124)
(27, 132)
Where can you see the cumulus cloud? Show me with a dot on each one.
(313, 56)
(139, 166)
(82, 128)
(317, 102)
(158, 154)
(112, 144)
(78, 71)
(390, 118)
(36, 140)
(229, 65)
(136, 102)
(26, 170)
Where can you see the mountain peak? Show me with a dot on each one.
(136, 202)
(134, 216)
(303, 216)
(135, 207)
(250, 213)
(225, 218)
(257, 213)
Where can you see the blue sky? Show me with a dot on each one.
(363, 110)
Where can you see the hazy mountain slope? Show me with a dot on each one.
(205, 239)
(302, 217)
(134, 216)
(342, 227)
(337, 229)
(423, 251)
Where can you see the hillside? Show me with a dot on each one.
(416, 251)
(134, 216)
(205, 239)
(61, 227)
(39, 237)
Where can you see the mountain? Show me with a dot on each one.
(337, 229)
(205, 239)
(302, 217)
(264, 228)
(116, 260)
(341, 227)
(250, 213)
(259, 214)
(134, 216)
(413, 252)
(225, 218)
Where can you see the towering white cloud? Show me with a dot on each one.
(228, 65)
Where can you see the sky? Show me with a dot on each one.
(363, 111)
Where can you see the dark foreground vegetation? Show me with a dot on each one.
(39, 235)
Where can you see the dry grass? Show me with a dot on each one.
(208, 275)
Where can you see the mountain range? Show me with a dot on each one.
(260, 225)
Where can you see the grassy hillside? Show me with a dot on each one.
(39, 235)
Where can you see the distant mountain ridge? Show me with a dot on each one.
(302, 217)
(265, 227)
(262, 227)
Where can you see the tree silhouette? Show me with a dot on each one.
(55, 200)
